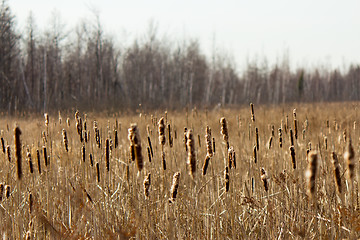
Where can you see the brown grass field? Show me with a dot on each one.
(68, 201)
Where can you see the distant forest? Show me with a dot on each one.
(84, 68)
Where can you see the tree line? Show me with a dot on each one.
(85, 68)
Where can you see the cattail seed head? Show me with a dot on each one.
(174, 187)
(231, 158)
(7, 191)
(3, 144)
(227, 179)
(191, 153)
(8, 153)
(45, 156)
(349, 159)
(185, 139)
(97, 172)
(336, 167)
(91, 159)
(83, 153)
(163, 160)
(280, 138)
(224, 131)
(28, 156)
(38, 160)
(1, 191)
(31, 203)
(292, 153)
(255, 154)
(161, 125)
(257, 138)
(206, 164)
(264, 179)
(311, 173)
(65, 140)
(134, 138)
(252, 112)
(147, 183)
(150, 146)
(209, 149)
(116, 139)
(17, 134)
(107, 154)
(46, 116)
(149, 153)
(270, 142)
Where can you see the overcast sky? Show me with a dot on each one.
(312, 32)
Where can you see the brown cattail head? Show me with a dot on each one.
(224, 131)
(231, 157)
(227, 179)
(65, 140)
(3, 144)
(97, 172)
(264, 179)
(257, 138)
(255, 154)
(107, 154)
(116, 139)
(134, 138)
(31, 203)
(1, 191)
(174, 187)
(270, 142)
(17, 134)
(280, 138)
(311, 173)
(191, 153)
(83, 153)
(46, 116)
(293, 160)
(150, 146)
(163, 160)
(169, 136)
(8, 153)
(147, 183)
(161, 125)
(91, 159)
(45, 156)
(28, 156)
(336, 167)
(252, 112)
(213, 145)
(291, 138)
(185, 139)
(206, 164)
(209, 149)
(7, 191)
(349, 159)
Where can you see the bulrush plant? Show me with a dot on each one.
(134, 138)
(224, 131)
(191, 161)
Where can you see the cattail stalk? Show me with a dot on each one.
(17, 134)
(255, 154)
(174, 187)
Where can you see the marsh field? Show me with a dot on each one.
(87, 175)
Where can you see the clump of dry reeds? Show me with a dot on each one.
(174, 187)
(191, 162)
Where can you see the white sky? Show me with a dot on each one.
(312, 32)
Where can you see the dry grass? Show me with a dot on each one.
(73, 199)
